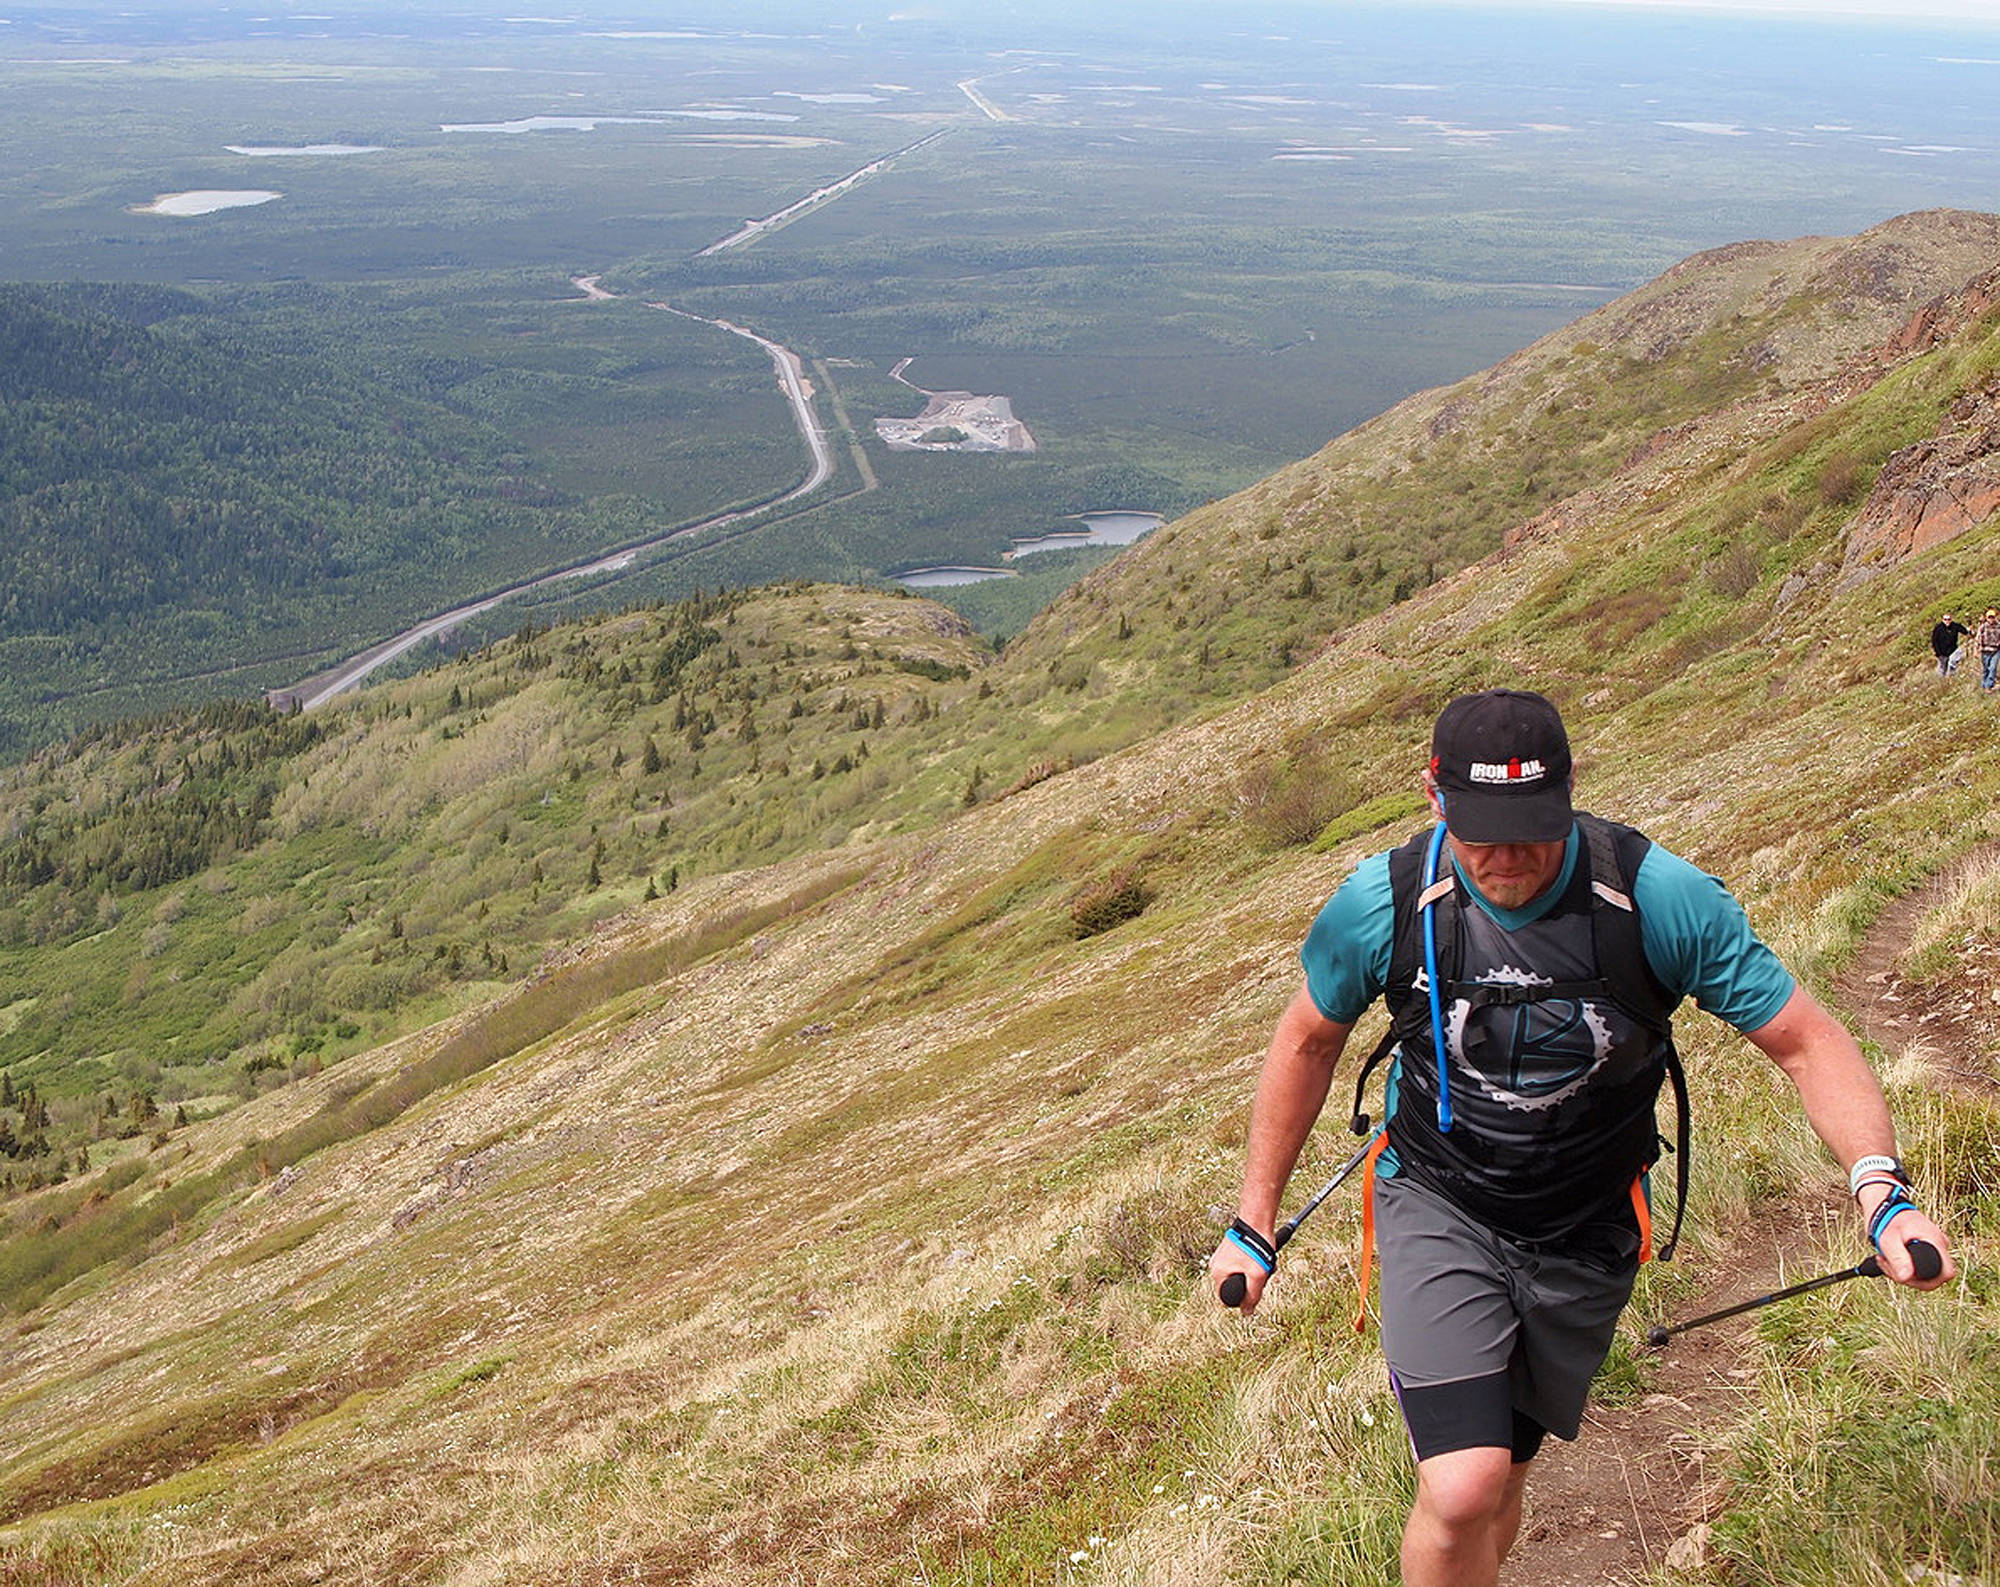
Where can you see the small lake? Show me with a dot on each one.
(549, 124)
(1115, 528)
(662, 118)
(258, 151)
(946, 578)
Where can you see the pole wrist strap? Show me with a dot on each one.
(1895, 1203)
(1253, 1245)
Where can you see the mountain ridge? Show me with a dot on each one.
(1826, 327)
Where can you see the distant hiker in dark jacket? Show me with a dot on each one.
(1509, 1193)
(1987, 643)
(1946, 637)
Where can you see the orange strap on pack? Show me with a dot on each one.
(1642, 1208)
(1368, 1230)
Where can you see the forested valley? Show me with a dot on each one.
(185, 490)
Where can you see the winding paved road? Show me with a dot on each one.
(323, 686)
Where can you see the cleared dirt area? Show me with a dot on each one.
(957, 421)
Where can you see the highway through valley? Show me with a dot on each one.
(798, 391)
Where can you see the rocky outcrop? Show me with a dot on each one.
(1944, 317)
(1933, 491)
(1937, 489)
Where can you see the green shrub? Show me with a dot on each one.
(1102, 905)
(1289, 803)
(1842, 479)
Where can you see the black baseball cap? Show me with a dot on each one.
(1501, 761)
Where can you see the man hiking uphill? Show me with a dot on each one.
(1946, 637)
(1509, 1192)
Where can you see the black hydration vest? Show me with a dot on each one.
(1559, 1037)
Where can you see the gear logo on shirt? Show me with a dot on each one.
(1528, 1056)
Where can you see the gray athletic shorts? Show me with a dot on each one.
(1490, 1342)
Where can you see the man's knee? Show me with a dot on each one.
(1468, 1487)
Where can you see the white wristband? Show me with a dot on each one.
(1876, 1164)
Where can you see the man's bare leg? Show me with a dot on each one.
(1467, 1512)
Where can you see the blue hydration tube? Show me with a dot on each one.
(1431, 975)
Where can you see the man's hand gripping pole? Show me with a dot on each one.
(1232, 1289)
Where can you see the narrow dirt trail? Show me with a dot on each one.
(1952, 1025)
(1641, 1482)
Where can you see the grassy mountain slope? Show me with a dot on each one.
(197, 910)
(836, 1219)
(1744, 338)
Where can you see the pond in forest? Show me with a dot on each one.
(1107, 527)
(1113, 527)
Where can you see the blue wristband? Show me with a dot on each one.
(1254, 1246)
(1893, 1205)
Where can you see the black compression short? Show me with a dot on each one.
(1474, 1413)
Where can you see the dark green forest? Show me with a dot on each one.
(209, 493)
(204, 495)
(151, 456)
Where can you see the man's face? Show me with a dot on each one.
(1510, 875)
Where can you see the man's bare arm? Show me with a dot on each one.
(1845, 1106)
(1291, 1090)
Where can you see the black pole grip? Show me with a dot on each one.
(1232, 1291)
(1923, 1257)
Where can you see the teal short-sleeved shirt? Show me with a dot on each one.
(1698, 940)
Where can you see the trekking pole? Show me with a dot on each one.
(1923, 1255)
(1233, 1287)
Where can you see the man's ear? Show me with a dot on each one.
(1431, 794)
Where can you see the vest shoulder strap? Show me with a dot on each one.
(1616, 852)
(1406, 955)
